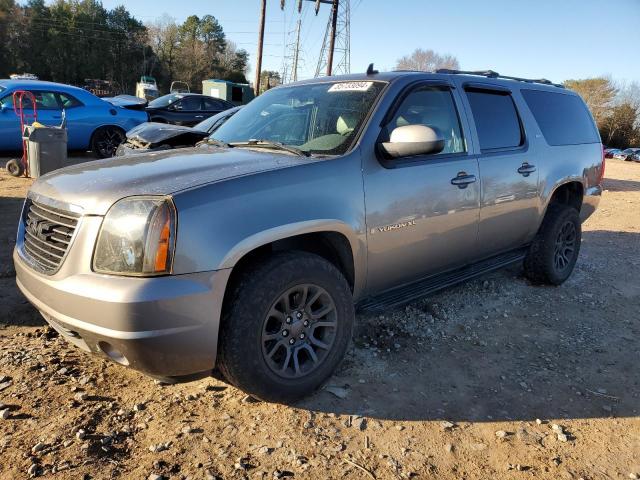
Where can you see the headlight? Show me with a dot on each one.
(137, 237)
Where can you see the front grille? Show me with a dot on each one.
(48, 233)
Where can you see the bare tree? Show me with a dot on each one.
(615, 108)
(164, 39)
(629, 94)
(427, 61)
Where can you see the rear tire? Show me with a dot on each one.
(286, 328)
(14, 167)
(106, 140)
(554, 252)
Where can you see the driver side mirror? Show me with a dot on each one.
(3, 108)
(410, 140)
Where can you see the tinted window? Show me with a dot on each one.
(164, 100)
(564, 119)
(67, 101)
(7, 101)
(434, 107)
(496, 119)
(189, 103)
(46, 101)
(212, 104)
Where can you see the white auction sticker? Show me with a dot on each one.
(350, 87)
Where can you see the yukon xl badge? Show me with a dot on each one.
(395, 226)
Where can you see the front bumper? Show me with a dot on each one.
(162, 326)
(590, 202)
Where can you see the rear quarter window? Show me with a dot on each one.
(563, 119)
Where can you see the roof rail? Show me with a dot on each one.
(492, 74)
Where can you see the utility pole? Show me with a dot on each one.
(332, 40)
(263, 11)
(296, 53)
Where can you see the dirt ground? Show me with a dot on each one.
(493, 379)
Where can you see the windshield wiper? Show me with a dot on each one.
(269, 143)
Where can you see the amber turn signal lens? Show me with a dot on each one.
(162, 253)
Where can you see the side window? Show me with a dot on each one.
(432, 106)
(67, 101)
(213, 105)
(563, 118)
(190, 103)
(7, 101)
(496, 119)
(46, 101)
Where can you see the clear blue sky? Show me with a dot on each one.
(555, 39)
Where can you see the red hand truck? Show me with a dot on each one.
(26, 109)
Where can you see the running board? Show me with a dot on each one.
(401, 295)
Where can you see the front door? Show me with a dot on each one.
(422, 211)
(49, 113)
(509, 209)
(49, 108)
(187, 111)
(10, 137)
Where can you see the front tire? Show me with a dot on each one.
(287, 327)
(554, 252)
(106, 140)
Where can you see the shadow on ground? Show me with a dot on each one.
(621, 185)
(563, 352)
(14, 308)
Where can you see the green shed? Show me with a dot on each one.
(237, 93)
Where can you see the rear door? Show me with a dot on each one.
(509, 196)
(422, 211)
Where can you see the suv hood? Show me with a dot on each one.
(95, 186)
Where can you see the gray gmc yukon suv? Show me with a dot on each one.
(247, 255)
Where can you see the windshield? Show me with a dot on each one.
(315, 118)
(2, 88)
(165, 100)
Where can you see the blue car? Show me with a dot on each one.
(92, 123)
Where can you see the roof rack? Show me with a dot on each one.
(492, 74)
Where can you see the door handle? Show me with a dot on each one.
(463, 180)
(199, 116)
(526, 169)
